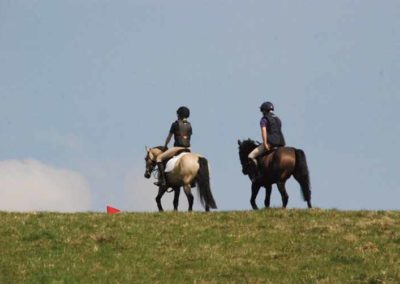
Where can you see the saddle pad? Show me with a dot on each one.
(171, 163)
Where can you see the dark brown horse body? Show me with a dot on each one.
(276, 167)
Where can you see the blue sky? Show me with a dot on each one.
(85, 85)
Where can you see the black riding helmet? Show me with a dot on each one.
(183, 112)
(267, 106)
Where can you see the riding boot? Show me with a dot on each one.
(161, 175)
(254, 169)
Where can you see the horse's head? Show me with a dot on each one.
(245, 148)
(150, 162)
(151, 156)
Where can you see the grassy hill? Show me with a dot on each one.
(277, 246)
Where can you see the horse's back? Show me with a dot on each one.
(280, 163)
(187, 167)
(190, 161)
(281, 155)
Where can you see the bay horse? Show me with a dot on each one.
(276, 167)
(189, 170)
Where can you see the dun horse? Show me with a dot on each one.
(190, 169)
(275, 167)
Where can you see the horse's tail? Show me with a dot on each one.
(301, 174)
(203, 183)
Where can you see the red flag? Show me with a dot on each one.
(111, 210)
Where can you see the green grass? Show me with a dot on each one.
(267, 246)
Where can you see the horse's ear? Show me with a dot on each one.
(239, 142)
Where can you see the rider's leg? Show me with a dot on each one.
(256, 153)
(161, 170)
(168, 154)
(253, 160)
(161, 175)
(160, 164)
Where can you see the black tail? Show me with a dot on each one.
(203, 183)
(301, 174)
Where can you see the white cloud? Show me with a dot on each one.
(29, 185)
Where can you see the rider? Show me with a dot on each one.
(181, 129)
(271, 133)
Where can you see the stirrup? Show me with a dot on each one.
(160, 184)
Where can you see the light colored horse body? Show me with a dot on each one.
(185, 170)
(190, 169)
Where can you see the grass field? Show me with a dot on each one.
(276, 246)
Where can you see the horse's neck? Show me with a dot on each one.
(156, 152)
(249, 151)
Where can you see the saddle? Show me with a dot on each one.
(170, 165)
(261, 157)
(165, 162)
(186, 150)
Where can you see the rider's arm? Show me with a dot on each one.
(168, 139)
(264, 137)
(172, 130)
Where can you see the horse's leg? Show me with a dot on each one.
(189, 195)
(267, 200)
(255, 187)
(161, 191)
(177, 191)
(284, 195)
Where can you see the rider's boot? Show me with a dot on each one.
(161, 175)
(254, 170)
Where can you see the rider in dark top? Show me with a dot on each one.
(271, 133)
(181, 129)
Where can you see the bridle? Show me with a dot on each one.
(153, 169)
(246, 164)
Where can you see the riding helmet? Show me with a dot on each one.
(267, 106)
(183, 112)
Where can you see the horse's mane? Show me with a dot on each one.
(248, 145)
(162, 148)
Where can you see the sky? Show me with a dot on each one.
(86, 85)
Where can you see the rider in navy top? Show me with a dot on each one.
(271, 133)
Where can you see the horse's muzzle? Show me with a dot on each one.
(147, 175)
